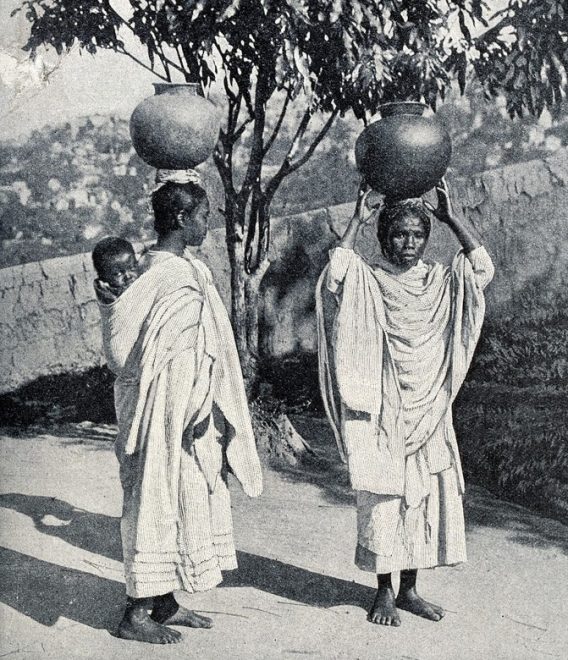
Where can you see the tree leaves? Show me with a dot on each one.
(525, 56)
(346, 54)
(91, 23)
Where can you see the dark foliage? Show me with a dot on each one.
(61, 398)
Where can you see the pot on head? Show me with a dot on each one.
(403, 154)
(176, 128)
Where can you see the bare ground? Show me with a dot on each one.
(296, 594)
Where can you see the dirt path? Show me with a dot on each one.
(297, 593)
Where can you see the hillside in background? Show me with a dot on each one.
(67, 186)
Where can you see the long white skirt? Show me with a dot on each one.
(431, 535)
(176, 528)
(205, 540)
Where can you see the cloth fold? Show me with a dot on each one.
(183, 422)
(393, 353)
(177, 176)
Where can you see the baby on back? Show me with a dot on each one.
(114, 260)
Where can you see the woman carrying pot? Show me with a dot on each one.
(396, 339)
(183, 420)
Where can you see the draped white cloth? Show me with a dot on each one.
(394, 349)
(183, 421)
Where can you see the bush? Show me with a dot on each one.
(513, 441)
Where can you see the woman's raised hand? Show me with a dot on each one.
(443, 211)
(363, 205)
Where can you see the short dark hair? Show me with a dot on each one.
(398, 209)
(171, 198)
(107, 248)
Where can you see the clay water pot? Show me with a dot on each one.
(175, 129)
(403, 154)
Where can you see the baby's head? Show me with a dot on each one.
(115, 262)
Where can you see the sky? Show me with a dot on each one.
(79, 84)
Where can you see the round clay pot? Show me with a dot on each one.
(175, 129)
(403, 154)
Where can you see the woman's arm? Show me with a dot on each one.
(358, 219)
(444, 214)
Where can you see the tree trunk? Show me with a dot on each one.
(253, 283)
(245, 291)
(235, 248)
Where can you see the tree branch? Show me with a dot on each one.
(183, 63)
(256, 153)
(223, 154)
(288, 166)
(278, 125)
(244, 91)
(122, 51)
(302, 127)
(294, 146)
(319, 137)
(192, 67)
(223, 161)
(251, 229)
(237, 134)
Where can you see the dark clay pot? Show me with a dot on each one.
(176, 128)
(403, 154)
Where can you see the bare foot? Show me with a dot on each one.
(168, 611)
(412, 602)
(383, 610)
(138, 626)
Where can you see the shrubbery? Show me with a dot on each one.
(512, 415)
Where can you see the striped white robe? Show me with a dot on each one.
(183, 423)
(391, 364)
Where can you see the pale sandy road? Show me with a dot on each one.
(297, 593)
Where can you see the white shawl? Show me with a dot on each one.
(175, 307)
(393, 352)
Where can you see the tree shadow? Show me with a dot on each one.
(294, 583)
(46, 592)
(483, 510)
(95, 532)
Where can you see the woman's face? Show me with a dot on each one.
(406, 241)
(197, 224)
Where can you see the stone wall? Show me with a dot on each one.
(49, 319)
(519, 212)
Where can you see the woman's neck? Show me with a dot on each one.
(391, 267)
(173, 242)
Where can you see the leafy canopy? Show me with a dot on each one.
(345, 54)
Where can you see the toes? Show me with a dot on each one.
(172, 636)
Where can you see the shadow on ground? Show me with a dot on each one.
(525, 527)
(295, 583)
(90, 531)
(46, 592)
